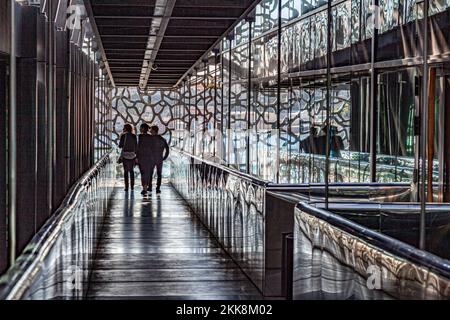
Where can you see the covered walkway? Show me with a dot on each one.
(309, 149)
(156, 248)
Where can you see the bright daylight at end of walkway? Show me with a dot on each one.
(225, 158)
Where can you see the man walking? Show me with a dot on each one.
(144, 156)
(159, 152)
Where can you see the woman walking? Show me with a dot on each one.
(128, 144)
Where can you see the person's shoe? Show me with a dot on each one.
(158, 191)
(126, 190)
(143, 192)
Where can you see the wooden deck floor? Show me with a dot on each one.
(155, 248)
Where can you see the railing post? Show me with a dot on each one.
(12, 139)
(287, 264)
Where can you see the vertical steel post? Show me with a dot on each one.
(12, 139)
(196, 112)
(249, 90)
(278, 128)
(205, 109)
(423, 132)
(215, 103)
(328, 106)
(189, 112)
(222, 79)
(50, 108)
(229, 142)
(69, 112)
(373, 99)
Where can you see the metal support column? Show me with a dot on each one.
(250, 21)
(278, 125)
(205, 109)
(50, 108)
(373, 99)
(423, 132)
(229, 141)
(12, 138)
(328, 106)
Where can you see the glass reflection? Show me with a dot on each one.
(295, 152)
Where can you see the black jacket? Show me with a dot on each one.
(152, 149)
(130, 145)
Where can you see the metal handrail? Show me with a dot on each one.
(15, 282)
(232, 171)
(290, 186)
(391, 245)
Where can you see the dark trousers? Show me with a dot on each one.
(144, 168)
(159, 167)
(128, 166)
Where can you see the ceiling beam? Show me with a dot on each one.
(171, 18)
(170, 5)
(90, 14)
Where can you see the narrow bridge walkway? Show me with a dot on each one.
(156, 248)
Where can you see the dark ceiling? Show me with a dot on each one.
(170, 34)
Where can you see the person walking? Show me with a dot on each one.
(144, 158)
(160, 152)
(128, 144)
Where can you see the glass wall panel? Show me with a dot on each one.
(264, 136)
(287, 49)
(290, 10)
(271, 14)
(239, 106)
(259, 18)
(341, 34)
(317, 112)
(290, 169)
(349, 125)
(225, 103)
(439, 25)
(309, 5)
(306, 43)
(359, 141)
(241, 33)
(270, 55)
(397, 33)
(209, 110)
(355, 21)
(320, 36)
(297, 151)
(200, 110)
(258, 53)
(238, 124)
(341, 105)
(395, 132)
(193, 112)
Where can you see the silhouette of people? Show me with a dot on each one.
(144, 156)
(128, 144)
(336, 143)
(160, 152)
(308, 145)
(316, 142)
(152, 151)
